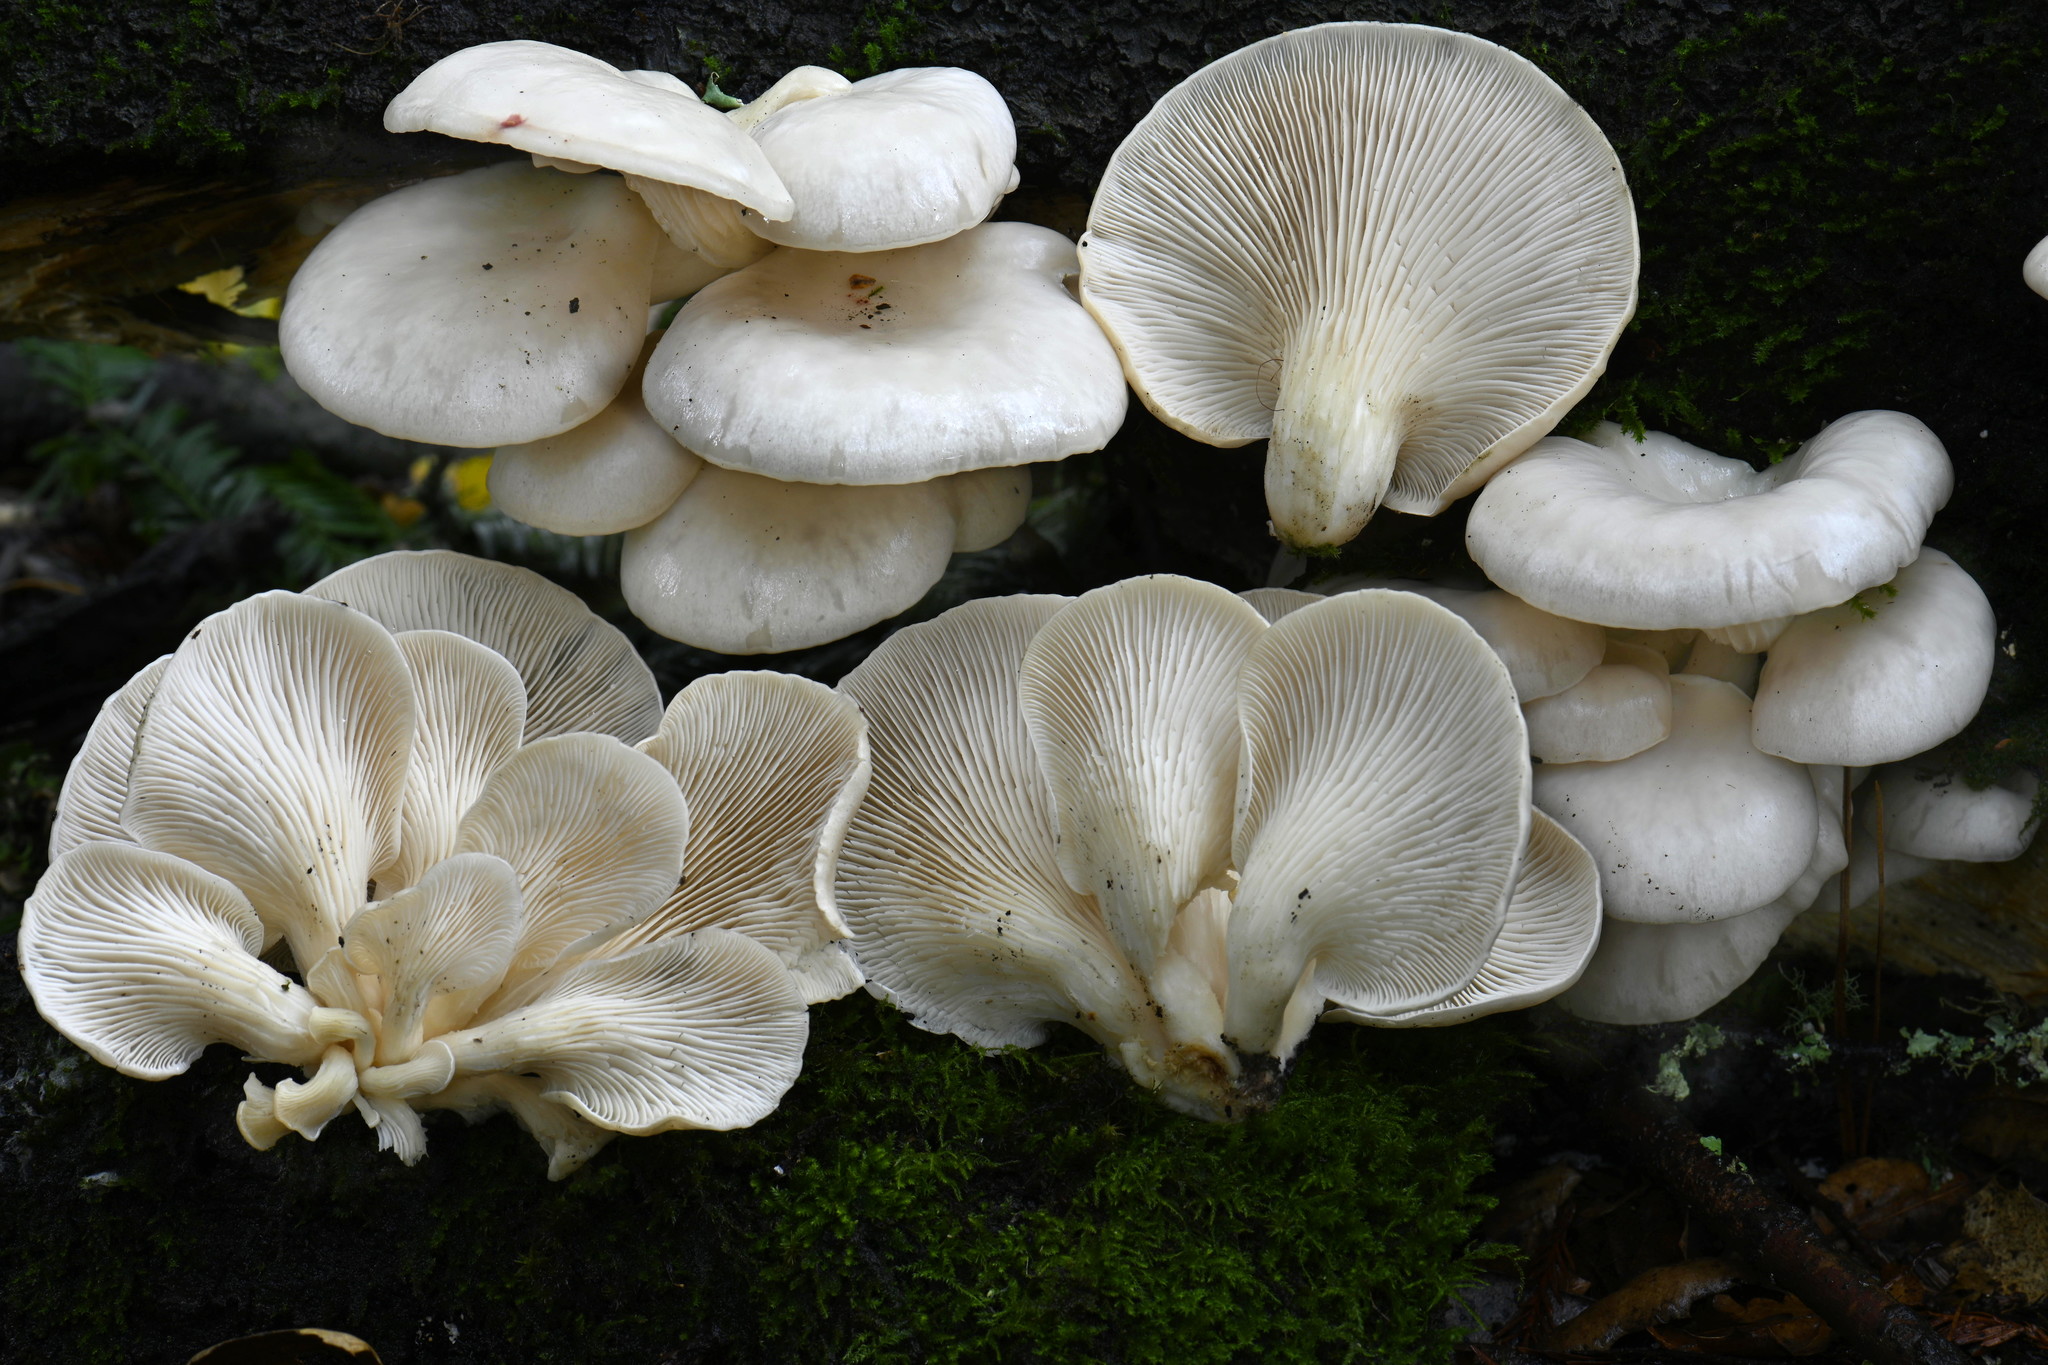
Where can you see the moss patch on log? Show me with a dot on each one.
(912, 1201)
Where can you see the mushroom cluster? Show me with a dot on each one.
(1397, 254)
(426, 833)
(1745, 644)
(847, 398)
(1188, 832)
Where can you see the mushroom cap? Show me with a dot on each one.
(746, 565)
(142, 959)
(950, 877)
(565, 105)
(1930, 812)
(1613, 712)
(1545, 654)
(1881, 678)
(1382, 811)
(891, 367)
(1700, 827)
(1656, 534)
(470, 709)
(1552, 928)
(96, 786)
(619, 470)
(910, 156)
(1663, 973)
(771, 768)
(2035, 269)
(500, 305)
(1305, 241)
(274, 754)
(580, 671)
(603, 1035)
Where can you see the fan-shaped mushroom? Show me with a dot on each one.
(1400, 254)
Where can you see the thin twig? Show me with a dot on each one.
(1845, 1092)
(1877, 971)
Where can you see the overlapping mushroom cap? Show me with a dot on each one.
(1399, 253)
(890, 367)
(599, 937)
(1657, 534)
(1150, 814)
(566, 106)
(496, 306)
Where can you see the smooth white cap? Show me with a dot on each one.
(910, 156)
(746, 565)
(892, 367)
(567, 106)
(1657, 534)
(1931, 812)
(619, 470)
(1891, 674)
(487, 308)
(1700, 827)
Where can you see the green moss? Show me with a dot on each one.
(912, 1200)
(1798, 198)
(882, 41)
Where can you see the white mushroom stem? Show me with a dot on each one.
(1333, 450)
(308, 1106)
(256, 1116)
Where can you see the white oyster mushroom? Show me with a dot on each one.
(748, 565)
(1656, 534)
(907, 157)
(1615, 711)
(619, 470)
(497, 306)
(2034, 270)
(1931, 812)
(1662, 973)
(89, 804)
(892, 367)
(1149, 814)
(1882, 677)
(1702, 826)
(1710, 658)
(479, 888)
(143, 959)
(567, 106)
(1552, 928)
(1544, 654)
(579, 671)
(714, 228)
(1302, 242)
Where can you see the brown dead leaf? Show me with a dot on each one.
(1761, 1329)
(1884, 1195)
(1985, 1330)
(1655, 1296)
(2005, 1244)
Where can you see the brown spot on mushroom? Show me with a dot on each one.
(514, 121)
